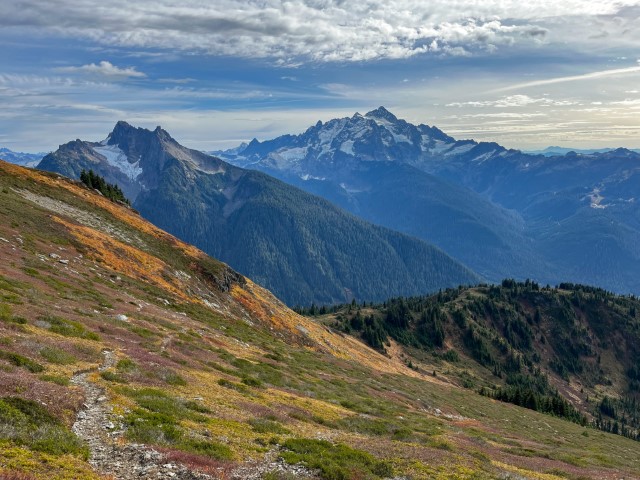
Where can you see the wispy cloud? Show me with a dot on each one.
(103, 69)
(177, 81)
(572, 78)
(513, 101)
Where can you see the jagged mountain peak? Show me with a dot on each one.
(125, 131)
(132, 157)
(383, 114)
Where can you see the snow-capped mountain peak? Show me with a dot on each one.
(382, 113)
(343, 142)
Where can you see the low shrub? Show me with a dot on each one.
(7, 316)
(27, 423)
(152, 427)
(57, 379)
(68, 328)
(263, 425)
(21, 361)
(113, 377)
(172, 378)
(196, 407)
(126, 365)
(251, 382)
(334, 462)
(208, 448)
(57, 356)
(223, 382)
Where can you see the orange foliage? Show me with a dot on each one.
(118, 211)
(123, 258)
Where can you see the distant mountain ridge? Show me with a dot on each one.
(21, 158)
(299, 246)
(559, 151)
(500, 211)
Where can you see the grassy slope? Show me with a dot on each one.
(216, 366)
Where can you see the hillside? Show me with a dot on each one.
(570, 350)
(218, 375)
(115, 335)
(502, 212)
(298, 245)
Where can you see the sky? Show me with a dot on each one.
(219, 72)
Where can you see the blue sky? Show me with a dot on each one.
(215, 73)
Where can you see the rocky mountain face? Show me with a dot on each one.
(500, 211)
(300, 246)
(126, 353)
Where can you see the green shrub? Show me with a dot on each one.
(6, 315)
(263, 425)
(20, 361)
(126, 365)
(334, 462)
(251, 382)
(152, 427)
(27, 423)
(196, 407)
(57, 379)
(172, 378)
(57, 356)
(113, 377)
(402, 433)
(68, 328)
(158, 401)
(5, 312)
(223, 382)
(143, 332)
(215, 450)
(451, 356)
(364, 425)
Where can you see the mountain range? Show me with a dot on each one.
(500, 211)
(298, 245)
(21, 158)
(555, 151)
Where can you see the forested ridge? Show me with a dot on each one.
(570, 350)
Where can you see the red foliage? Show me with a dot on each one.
(216, 468)
(13, 475)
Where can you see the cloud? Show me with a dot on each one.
(513, 101)
(177, 81)
(103, 69)
(504, 115)
(289, 31)
(572, 78)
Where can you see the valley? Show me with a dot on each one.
(298, 245)
(501, 212)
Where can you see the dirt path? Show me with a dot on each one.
(139, 462)
(123, 462)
